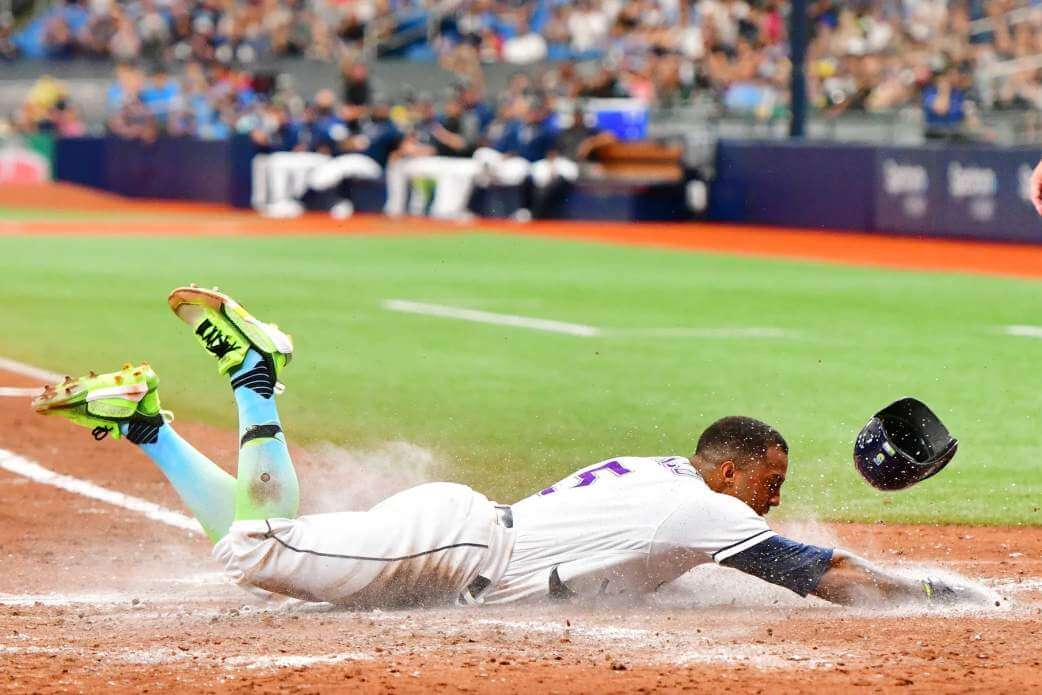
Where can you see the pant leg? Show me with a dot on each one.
(422, 546)
(542, 173)
(259, 181)
(303, 164)
(565, 168)
(280, 168)
(454, 185)
(347, 166)
(422, 168)
(512, 171)
(397, 187)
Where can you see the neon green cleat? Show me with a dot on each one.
(103, 403)
(227, 331)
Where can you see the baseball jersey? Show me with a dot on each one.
(626, 525)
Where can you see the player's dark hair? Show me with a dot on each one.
(743, 440)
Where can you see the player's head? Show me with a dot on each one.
(745, 458)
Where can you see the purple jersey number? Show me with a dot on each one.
(590, 477)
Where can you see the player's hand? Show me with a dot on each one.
(1036, 188)
(946, 593)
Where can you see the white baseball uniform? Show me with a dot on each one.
(422, 546)
(280, 179)
(624, 525)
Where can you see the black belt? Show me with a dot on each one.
(505, 517)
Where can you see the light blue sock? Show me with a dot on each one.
(206, 489)
(266, 484)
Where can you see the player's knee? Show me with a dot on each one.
(245, 551)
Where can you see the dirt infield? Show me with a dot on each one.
(96, 597)
(172, 218)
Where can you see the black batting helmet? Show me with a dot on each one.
(903, 444)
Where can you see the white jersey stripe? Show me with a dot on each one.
(731, 550)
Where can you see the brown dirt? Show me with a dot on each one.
(913, 253)
(94, 597)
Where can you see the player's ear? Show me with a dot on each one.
(727, 469)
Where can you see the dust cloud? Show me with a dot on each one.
(337, 479)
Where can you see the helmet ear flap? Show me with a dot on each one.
(903, 444)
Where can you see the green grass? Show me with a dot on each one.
(510, 410)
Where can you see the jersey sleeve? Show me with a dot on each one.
(796, 566)
(715, 524)
(735, 536)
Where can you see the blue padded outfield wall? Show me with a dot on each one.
(173, 168)
(954, 191)
(937, 190)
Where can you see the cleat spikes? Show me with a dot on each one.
(126, 365)
(193, 285)
(92, 374)
(67, 380)
(118, 378)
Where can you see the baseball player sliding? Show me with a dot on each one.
(627, 525)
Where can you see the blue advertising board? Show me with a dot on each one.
(974, 192)
(978, 192)
(794, 184)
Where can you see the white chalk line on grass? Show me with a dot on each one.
(513, 320)
(1024, 331)
(13, 463)
(580, 330)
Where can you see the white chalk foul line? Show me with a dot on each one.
(581, 330)
(16, 367)
(452, 312)
(18, 465)
(1024, 331)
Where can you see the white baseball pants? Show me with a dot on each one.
(346, 166)
(424, 546)
(508, 170)
(282, 177)
(546, 170)
(453, 178)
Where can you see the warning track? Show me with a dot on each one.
(136, 217)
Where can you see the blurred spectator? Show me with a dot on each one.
(8, 48)
(46, 109)
(161, 94)
(525, 47)
(947, 111)
(870, 56)
(356, 82)
(573, 147)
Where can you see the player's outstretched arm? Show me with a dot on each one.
(853, 581)
(844, 578)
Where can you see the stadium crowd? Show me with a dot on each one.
(870, 55)
(864, 56)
